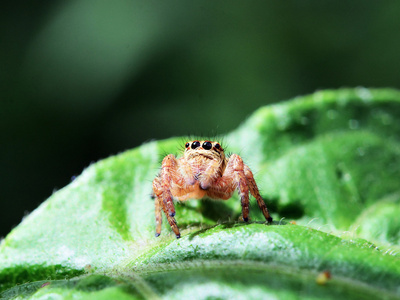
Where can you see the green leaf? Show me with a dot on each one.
(328, 161)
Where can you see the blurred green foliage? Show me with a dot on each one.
(81, 80)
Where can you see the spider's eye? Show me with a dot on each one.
(187, 145)
(195, 144)
(207, 146)
(217, 146)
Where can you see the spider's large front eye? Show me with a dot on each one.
(187, 145)
(195, 144)
(207, 146)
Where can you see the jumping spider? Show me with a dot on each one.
(203, 171)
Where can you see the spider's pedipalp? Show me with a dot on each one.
(186, 171)
(209, 175)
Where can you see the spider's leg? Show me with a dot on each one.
(171, 181)
(233, 178)
(168, 202)
(222, 189)
(243, 190)
(157, 192)
(161, 204)
(169, 172)
(172, 223)
(256, 194)
(158, 216)
(171, 219)
(242, 185)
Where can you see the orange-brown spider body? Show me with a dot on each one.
(203, 172)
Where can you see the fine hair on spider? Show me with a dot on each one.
(203, 170)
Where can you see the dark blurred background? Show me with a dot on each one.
(82, 80)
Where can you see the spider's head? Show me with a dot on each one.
(207, 149)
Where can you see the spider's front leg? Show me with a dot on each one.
(256, 193)
(160, 204)
(232, 178)
(162, 188)
(236, 168)
(238, 176)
